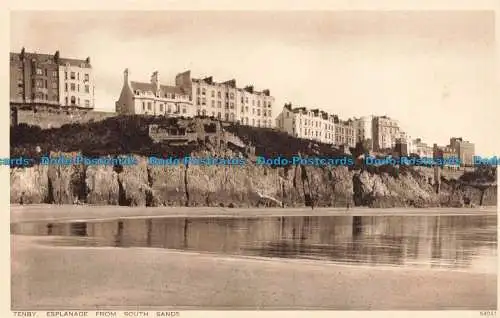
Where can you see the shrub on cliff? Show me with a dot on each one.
(481, 174)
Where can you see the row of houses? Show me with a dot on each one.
(51, 80)
(191, 97)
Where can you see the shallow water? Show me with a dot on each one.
(448, 242)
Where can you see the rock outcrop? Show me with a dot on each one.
(238, 186)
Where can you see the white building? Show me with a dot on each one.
(153, 98)
(316, 125)
(76, 83)
(422, 149)
(364, 129)
(385, 132)
(227, 102)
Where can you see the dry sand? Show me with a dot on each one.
(58, 278)
(21, 213)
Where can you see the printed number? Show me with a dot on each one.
(488, 313)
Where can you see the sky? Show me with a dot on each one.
(433, 71)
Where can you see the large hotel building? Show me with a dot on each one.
(191, 97)
(315, 124)
(50, 80)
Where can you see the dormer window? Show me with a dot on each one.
(137, 92)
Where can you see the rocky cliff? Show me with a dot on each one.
(239, 186)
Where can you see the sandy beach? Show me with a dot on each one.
(66, 278)
(46, 212)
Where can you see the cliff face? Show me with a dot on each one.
(238, 186)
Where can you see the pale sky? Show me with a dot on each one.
(432, 71)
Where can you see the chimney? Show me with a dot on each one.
(155, 80)
(87, 60)
(126, 79)
(56, 57)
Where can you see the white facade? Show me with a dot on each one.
(422, 149)
(385, 132)
(153, 98)
(227, 102)
(307, 124)
(76, 84)
(364, 130)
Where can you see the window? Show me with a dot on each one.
(253, 102)
(169, 110)
(54, 85)
(226, 117)
(46, 84)
(78, 101)
(203, 91)
(73, 100)
(78, 87)
(149, 105)
(72, 87)
(198, 90)
(66, 100)
(87, 103)
(78, 75)
(54, 73)
(173, 95)
(86, 77)
(143, 106)
(231, 95)
(184, 110)
(161, 108)
(253, 122)
(219, 115)
(87, 89)
(219, 104)
(72, 75)
(198, 101)
(66, 75)
(258, 103)
(258, 112)
(246, 99)
(203, 101)
(232, 105)
(213, 93)
(39, 71)
(213, 103)
(218, 94)
(204, 113)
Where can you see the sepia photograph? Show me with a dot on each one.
(252, 160)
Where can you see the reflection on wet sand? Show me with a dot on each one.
(453, 242)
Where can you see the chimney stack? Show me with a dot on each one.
(155, 80)
(126, 79)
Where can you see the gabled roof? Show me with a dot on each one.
(148, 87)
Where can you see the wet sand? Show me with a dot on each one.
(58, 278)
(45, 212)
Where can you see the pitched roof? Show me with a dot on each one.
(164, 89)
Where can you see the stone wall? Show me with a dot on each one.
(56, 118)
